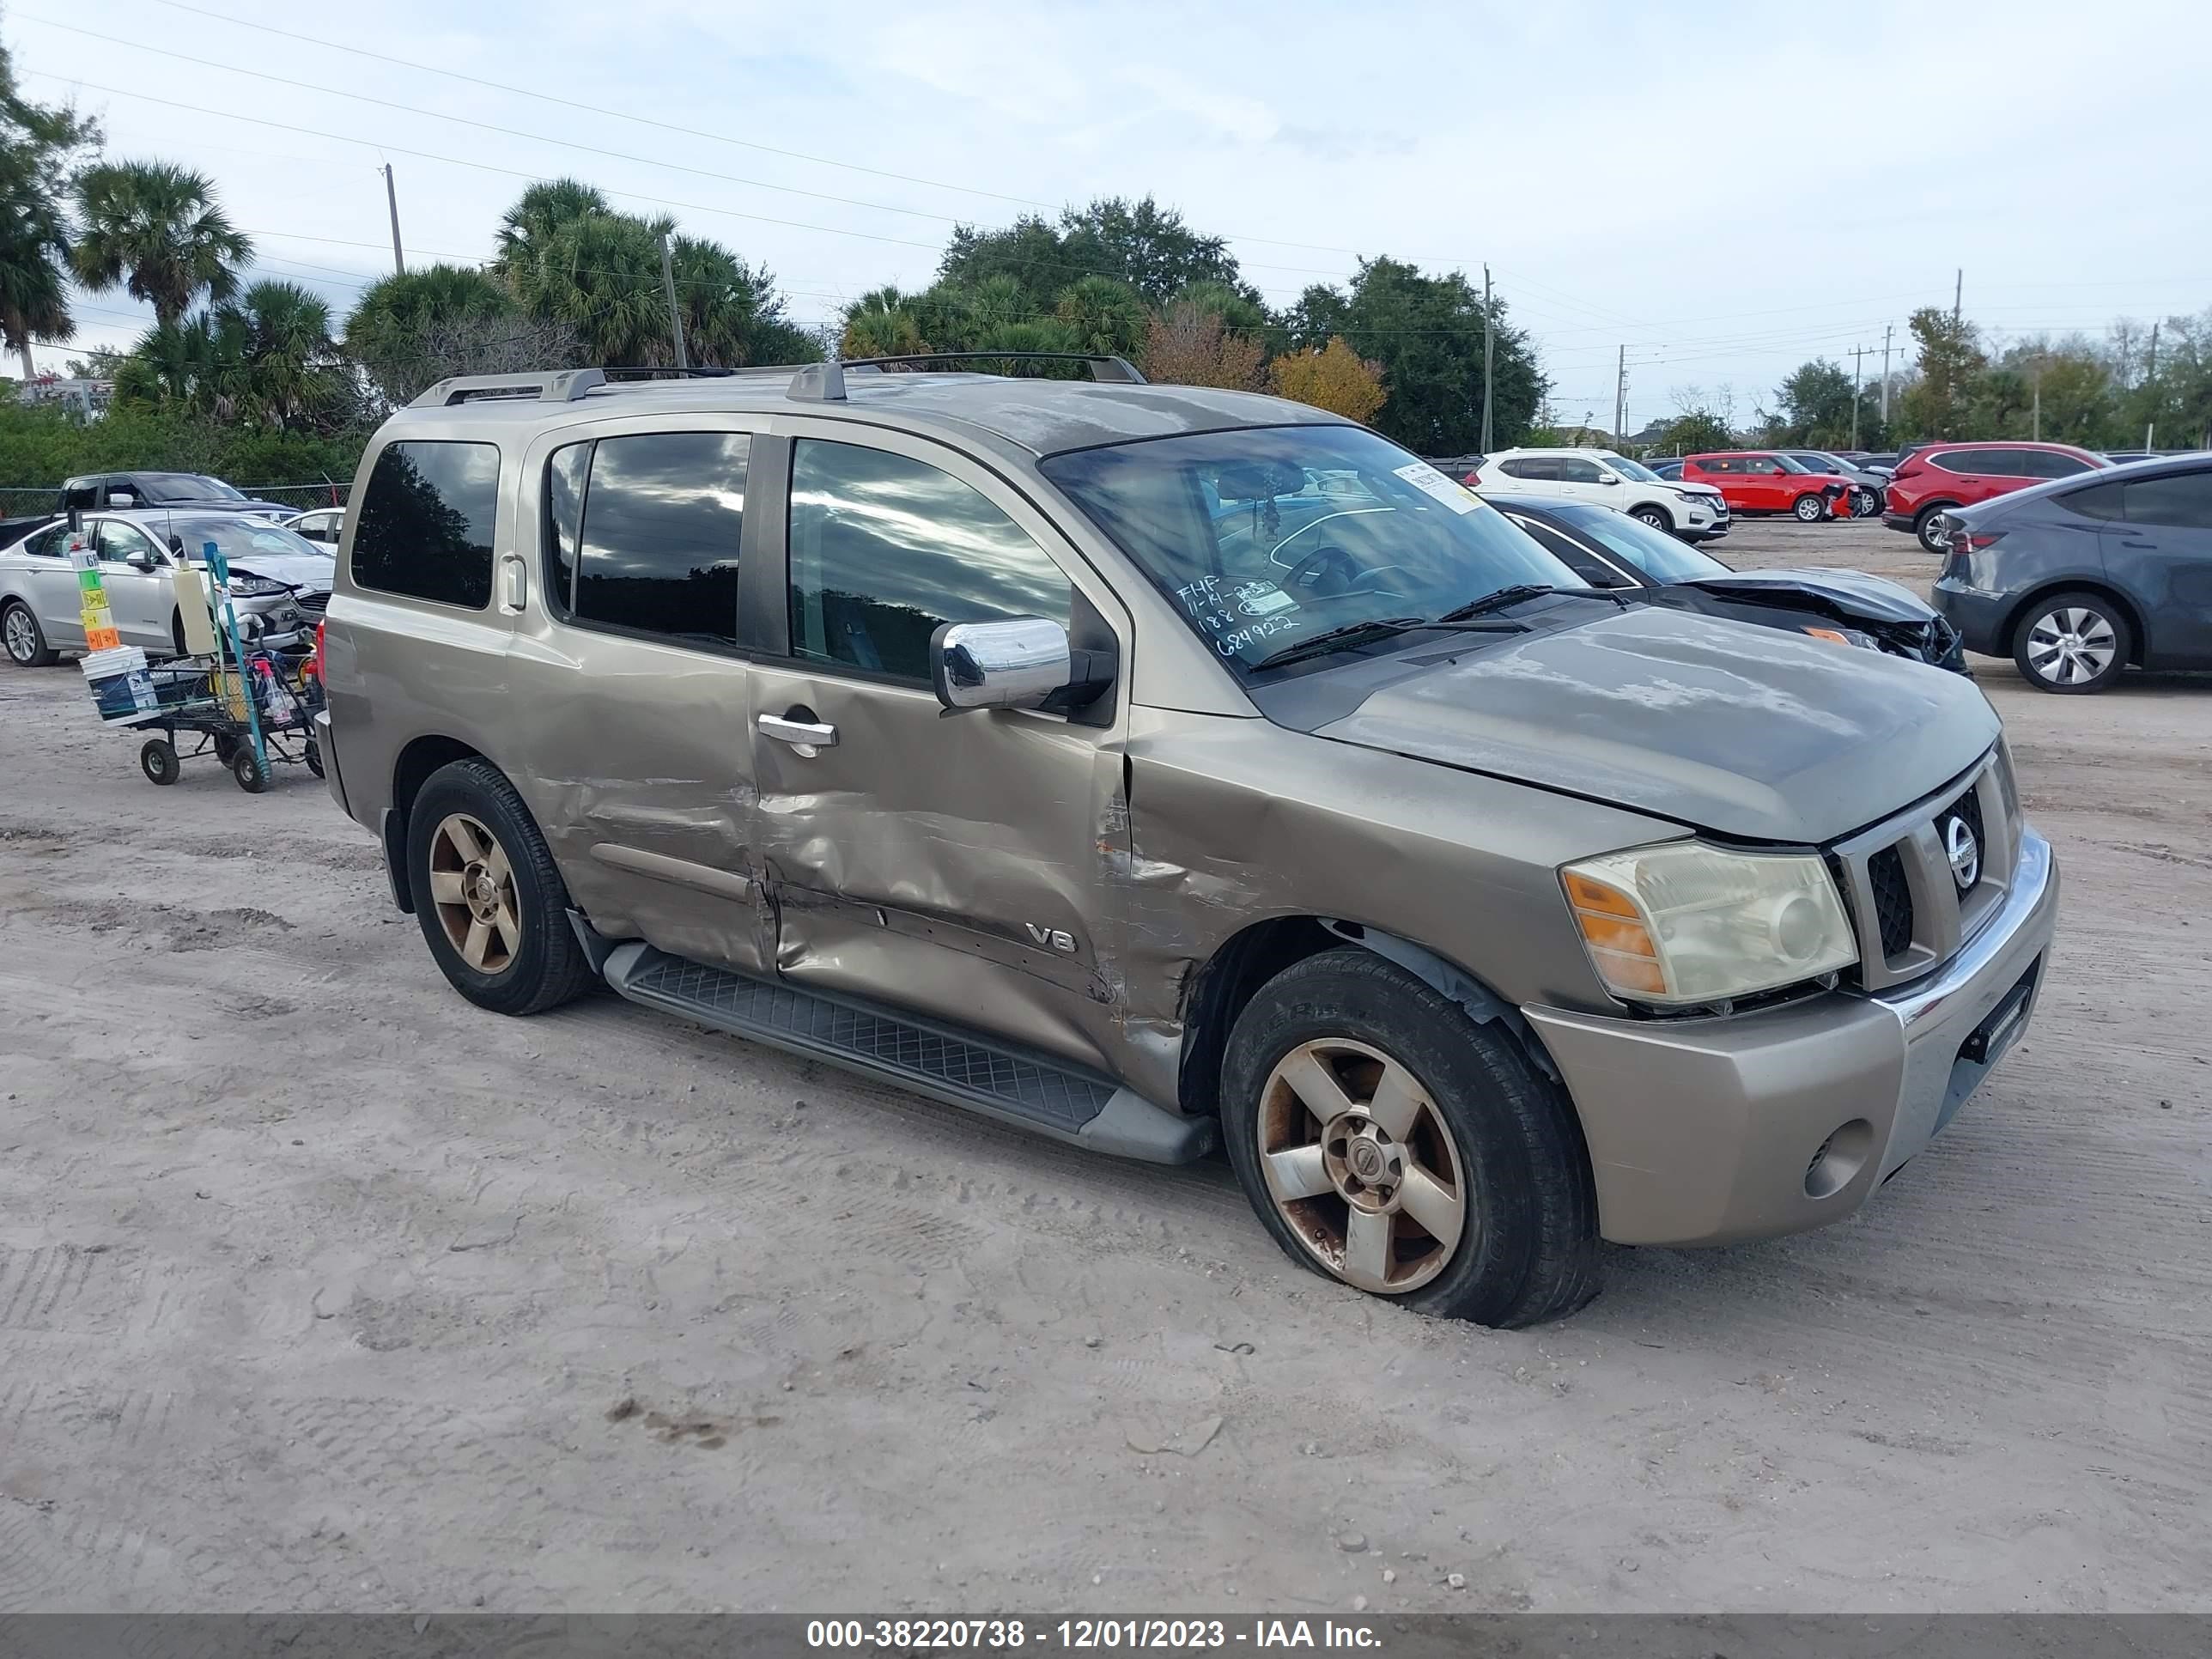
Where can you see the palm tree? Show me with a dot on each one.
(275, 360)
(421, 326)
(881, 324)
(155, 229)
(36, 145)
(538, 214)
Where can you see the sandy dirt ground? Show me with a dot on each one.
(321, 1289)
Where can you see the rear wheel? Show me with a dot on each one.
(1809, 509)
(2072, 642)
(1656, 516)
(1391, 1143)
(1929, 529)
(246, 766)
(492, 906)
(19, 630)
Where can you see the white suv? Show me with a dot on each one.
(1695, 511)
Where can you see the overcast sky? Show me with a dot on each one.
(1726, 189)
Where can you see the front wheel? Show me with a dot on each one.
(1809, 509)
(1656, 517)
(27, 645)
(1391, 1143)
(246, 766)
(492, 906)
(2072, 643)
(157, 759)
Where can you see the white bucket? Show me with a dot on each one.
(120, 689)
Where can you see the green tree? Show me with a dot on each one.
(1427, 332)
(1102, 314)
(409, 331)
(1950, 359)
(732, 315)
(38, 143)
(881, 323)
(1148, 247)
(1815, 407)
(1694, 432)
(537, 215)
(156, 230)
(274, 362)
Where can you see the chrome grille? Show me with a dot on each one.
(1909, 911)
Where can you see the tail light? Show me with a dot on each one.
(315, 660)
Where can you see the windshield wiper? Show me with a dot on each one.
(1519, 591)
(1330, 638)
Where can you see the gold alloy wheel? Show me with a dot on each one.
(1362, 1166)
(473, 885)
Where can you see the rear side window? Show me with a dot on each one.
(2102, 500)
(2180, 499)
(1532, 467)
(427, 522)
(1979, 463)
(1718, 464)
(658, 517)
(2049, 464)
(884, 548)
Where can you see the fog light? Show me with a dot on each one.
(1840, 1158)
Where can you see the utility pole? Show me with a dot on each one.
(1489, 330)
(391, 201)
(2036, 430)
(1951, 358)
(1885, 382)
(675, 317)
(1857, 352)
(2150, 385)
(1621, 397)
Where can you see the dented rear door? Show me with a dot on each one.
(627, 682)
(950, 864)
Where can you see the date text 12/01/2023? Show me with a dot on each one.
(1078, 1635)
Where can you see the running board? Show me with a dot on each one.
(1012, 1084)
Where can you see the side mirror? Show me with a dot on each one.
(142, 559)
(123, 498)
(999, 665)
(1607, 479)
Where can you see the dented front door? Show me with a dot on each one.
(950, 864)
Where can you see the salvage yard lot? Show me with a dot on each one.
(320, 1288)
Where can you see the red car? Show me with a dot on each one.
(1938, 476)
(1762, 481)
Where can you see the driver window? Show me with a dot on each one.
(1575, 470)
(119, 542)
(884, 549)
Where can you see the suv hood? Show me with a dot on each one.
(1875, 598)
(1748, 733)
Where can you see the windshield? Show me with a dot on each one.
(1654, 552)
(1629, 469)
(186, 487)
(1265, 538)
(242, 540)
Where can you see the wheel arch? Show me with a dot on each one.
(410, 770)
(2016, 617)
(1228, 980)
(1650, 505)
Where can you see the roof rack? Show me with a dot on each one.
(562, 386)
(825, 382)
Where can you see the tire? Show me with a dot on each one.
(1809, 509)
(313, 755)
(226, 748)
(469, 825)
(1655, 515)
(177, 630)
(246, 766)
(1484, 1122)
(1924, 526)
(157, 759)
(26, 641)
(2076, 634)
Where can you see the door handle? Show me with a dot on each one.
(517, 577)
(806, 736)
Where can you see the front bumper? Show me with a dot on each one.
(1706, 1132)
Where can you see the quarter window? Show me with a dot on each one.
(1978, 463)
(427, 522)
(1533, 467)
(658, 522)
(2097, 501)
(884, 548)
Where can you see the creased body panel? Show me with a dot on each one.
(1234, 822)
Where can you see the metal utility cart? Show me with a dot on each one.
(248, 720)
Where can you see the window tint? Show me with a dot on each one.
(564, 516)
(427, 520)
(657, 553)
(1976, 463)
(2097, 501)
(50, 542)
(2049, 464)
(1718, 464)
(1533, 467)
(884, 549)
(1573, 470)
(2182, 499)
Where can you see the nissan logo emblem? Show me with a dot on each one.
(1964, 854)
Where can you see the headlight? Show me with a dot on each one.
(1687, 923)
(1845, 636)
(255, 587)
